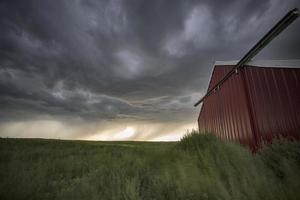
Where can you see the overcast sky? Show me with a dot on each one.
(113, 70)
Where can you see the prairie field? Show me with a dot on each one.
(197, 167)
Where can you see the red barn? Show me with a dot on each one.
(255, 104)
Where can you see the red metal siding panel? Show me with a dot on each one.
(275, 100)
(225, 112)
(254, 105)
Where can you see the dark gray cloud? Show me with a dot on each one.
(113, 59)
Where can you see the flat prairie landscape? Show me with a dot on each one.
(197, 167)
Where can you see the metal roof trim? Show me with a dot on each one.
(294, 63)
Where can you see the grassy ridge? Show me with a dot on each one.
(197, 167)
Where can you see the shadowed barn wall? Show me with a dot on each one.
(254, 105)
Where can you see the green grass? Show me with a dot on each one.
(197, 167)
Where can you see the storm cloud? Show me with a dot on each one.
(92, 67)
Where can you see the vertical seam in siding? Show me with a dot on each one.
(249, 107)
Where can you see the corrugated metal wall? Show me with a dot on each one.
(274, 95)
(253, 105)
